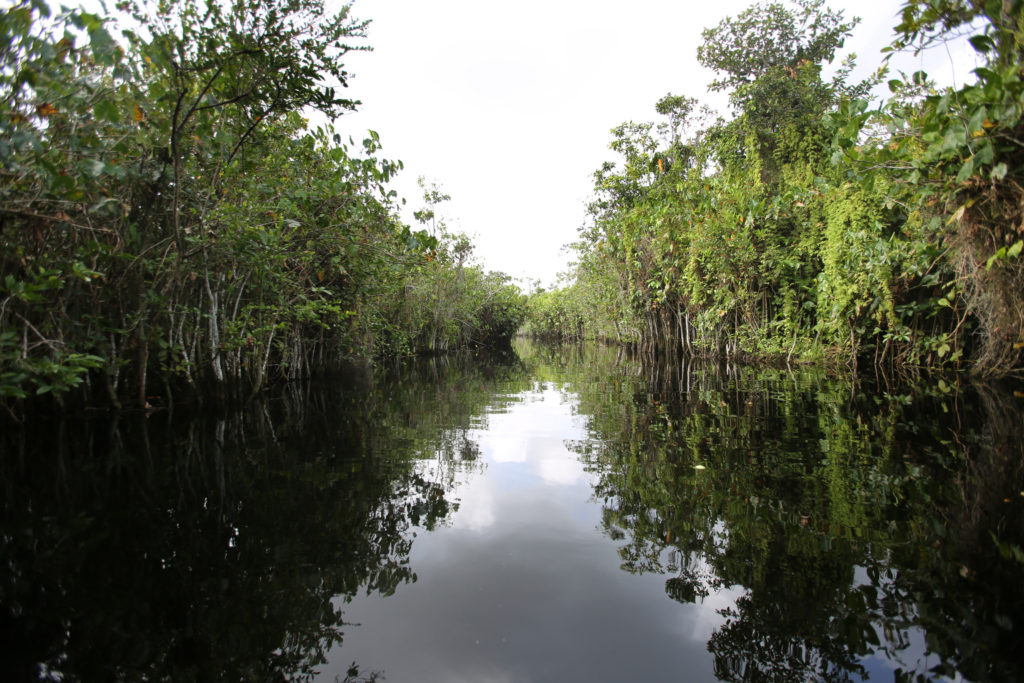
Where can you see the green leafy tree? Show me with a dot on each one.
(813, 224)
(953, 158)
(172, 226)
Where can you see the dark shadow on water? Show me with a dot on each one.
(868, 530)
(222, 547)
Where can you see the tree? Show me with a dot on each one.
(953, 157)
(767, 38)
(170, 223)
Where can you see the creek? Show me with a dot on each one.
(552, 514)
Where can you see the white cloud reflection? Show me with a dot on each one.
(524, 447)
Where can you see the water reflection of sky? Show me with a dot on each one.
(522, 585)
(524, 449)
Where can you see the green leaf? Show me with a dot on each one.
(107, 110)
(999, 171)
(988, 76)
(977, 120)
(28, 76)
(952, 140)
(965, 171)
(93, 167)
(981, 43)
(103, 46)
(1014, 251)
(995, 257)
(61, 184)
(984, 155)
(994, 10)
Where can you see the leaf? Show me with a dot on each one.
(987, 75)
(107, 110)
(981, 43)
(103, 46)
(93, 167)
(953, 139)
(994, 10)
(1014, 251)
(984, 155)
(977, 120)
(995, 257)
(965, 171)
(998, 171)
(61, 184)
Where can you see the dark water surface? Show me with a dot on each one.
(560, 515)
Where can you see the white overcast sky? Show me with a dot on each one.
(509, 105)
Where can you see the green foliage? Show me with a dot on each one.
(953, 157)
(815, 224)
(768, 37)
(170, 222)
(443, 301)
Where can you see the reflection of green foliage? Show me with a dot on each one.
(224, 547)
(849, 516)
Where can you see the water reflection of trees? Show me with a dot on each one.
(854, 520)
(222, 546)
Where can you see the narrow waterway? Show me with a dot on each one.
(521, 582)
(558, 514)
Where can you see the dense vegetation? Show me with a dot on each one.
(168, 221)
(817, 222)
